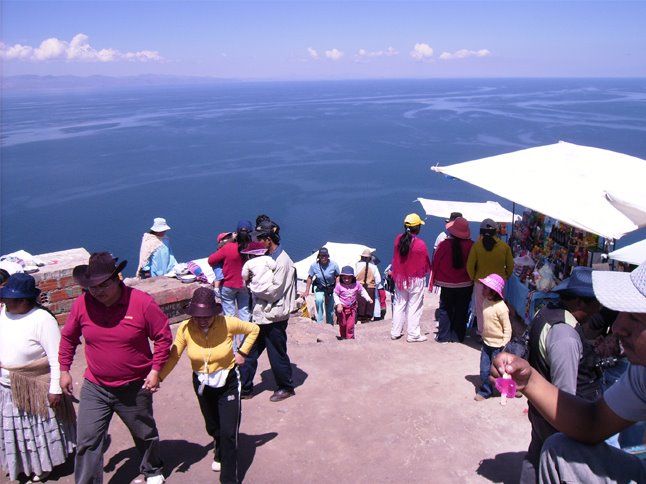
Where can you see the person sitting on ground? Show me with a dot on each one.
(258, 271)
(155, 255)
(37, 424)
(369, 277)
(323, 273)
(579, 453)
(496, 330)
(207, 338)
(346, 295)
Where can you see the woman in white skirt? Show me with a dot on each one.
(37, 423)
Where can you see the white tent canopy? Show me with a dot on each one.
(632, 209)
(472, 211)
(342, 254)
(632, 254)
(564, 181)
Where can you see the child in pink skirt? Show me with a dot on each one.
(346, 302)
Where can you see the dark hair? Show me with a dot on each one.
(262, 218)
(488, 240)
(494, 296)
(458, 256)
(271, 231)
(4, 275)
(243, 238)
(406, 240)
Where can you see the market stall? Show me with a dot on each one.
(567, 224)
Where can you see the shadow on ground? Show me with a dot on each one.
(267, 382)
(503, 468)
(178, 455)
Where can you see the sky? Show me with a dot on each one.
(308, 39)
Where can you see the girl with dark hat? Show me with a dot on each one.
(31, 401)
(207, 338)
(409, 268)
(346, 295)
(450, 273)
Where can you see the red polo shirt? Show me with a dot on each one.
(231, 261)
(117, 348)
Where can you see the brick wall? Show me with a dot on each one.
(55, 280)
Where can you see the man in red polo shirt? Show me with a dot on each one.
(116, 323)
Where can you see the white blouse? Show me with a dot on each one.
(28, 337)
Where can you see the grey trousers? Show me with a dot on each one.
(566, 460)
(97, 405)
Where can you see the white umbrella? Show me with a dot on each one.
(632, 254)
(564, 181)
(472, 211)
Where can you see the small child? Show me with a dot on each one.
(496, 330)
(258, 271)
(346, 302)
(223, 238)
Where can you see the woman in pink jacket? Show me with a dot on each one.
(410, 266)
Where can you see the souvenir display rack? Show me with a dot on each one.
(545, 251)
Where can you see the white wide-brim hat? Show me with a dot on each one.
(621, 291)
(160, 225)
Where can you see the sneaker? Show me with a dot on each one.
(395, 337)
(419, 339)
(479, 397)
(158, 479)
(216, 466)
(41, 477)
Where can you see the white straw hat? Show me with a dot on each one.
(621, 291)
(159, 225)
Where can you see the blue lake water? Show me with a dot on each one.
(340, 161)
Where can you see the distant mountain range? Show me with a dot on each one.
(27, 82)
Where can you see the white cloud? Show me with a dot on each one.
(421, 51)
(465, 53)
(78, 49)
(313, 53)
(334, 54)
(363, 54)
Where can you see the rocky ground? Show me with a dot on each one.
(367, 410)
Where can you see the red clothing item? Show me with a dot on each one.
(117, 349)
(232, 263)
(444, 275)
(415, 265)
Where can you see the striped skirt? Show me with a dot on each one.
(31, 444)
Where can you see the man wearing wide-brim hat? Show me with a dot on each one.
(559, 351)
(116, 323)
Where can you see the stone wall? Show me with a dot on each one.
(55, 280)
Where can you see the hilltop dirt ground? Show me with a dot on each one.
(369, 410)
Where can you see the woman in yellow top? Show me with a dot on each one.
(208, 339)
(489, 255)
